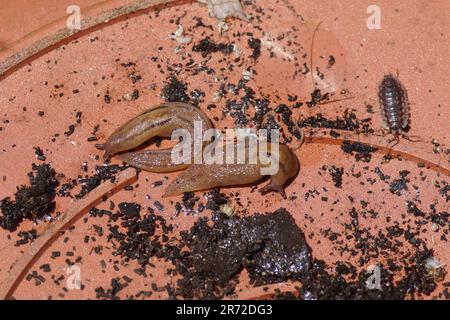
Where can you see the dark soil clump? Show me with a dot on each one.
(322, 286)
(207, 46)
(400, 184)
(317, 97)
(336, 174)
(271, 247)
(255, 45)
(175, 91)
(348, 122)
(31, 202)
(363, 152)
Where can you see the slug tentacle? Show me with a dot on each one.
(207, 176)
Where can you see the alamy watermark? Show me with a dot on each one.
(373, 282)
(73, 281)
(236, 146)
(74, 20)
(374, 20)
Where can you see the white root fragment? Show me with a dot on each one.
(236, 51)
(223, 27)
(179, 36)
(221, 9)
(247, 74)
(217, 97)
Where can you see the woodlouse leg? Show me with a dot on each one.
(397, 141)
(411, 138)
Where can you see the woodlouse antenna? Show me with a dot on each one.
(397, 141)
(336, 100)
(413, 139)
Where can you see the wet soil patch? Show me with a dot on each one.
(269, 246)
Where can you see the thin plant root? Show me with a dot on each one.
(434, 162)
(77, 209)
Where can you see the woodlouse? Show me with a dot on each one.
(394, 106)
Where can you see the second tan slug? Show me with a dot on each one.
(207, 176)
(162, 121)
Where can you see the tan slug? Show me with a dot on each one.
(207, 176)
(161, 121)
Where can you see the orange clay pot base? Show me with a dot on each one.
(358, 202)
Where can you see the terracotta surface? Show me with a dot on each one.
(413, 41)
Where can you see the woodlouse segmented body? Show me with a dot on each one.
(394, 105)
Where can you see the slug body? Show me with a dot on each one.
(394, 105)
(207, 176)
(160, 121)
